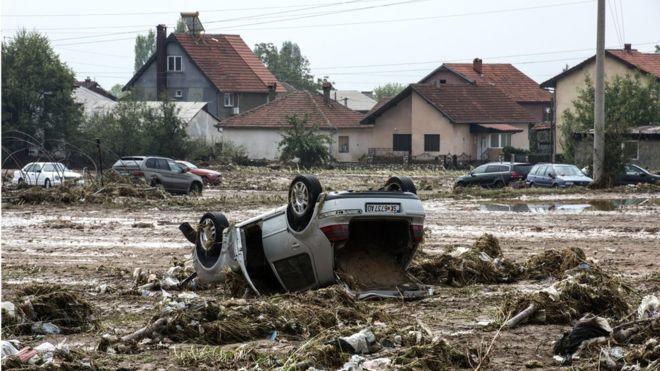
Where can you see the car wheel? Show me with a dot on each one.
(47, 184)
(498, 184)
(21, 182)
(195, 189)
(400, 184)
(208, 247)
(532, 185)
(460, 184)
(303, 193)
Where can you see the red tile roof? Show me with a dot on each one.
(227, 62)
(475, 104)
(506, 77)
(645, 62)
(327, 115)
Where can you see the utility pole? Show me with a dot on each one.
(599, 103)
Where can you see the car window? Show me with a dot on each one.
(151, 163)
(631, 170)
(496, 168)
(480, 169)
(35, 168)
(187, 164)
(174, 166)
(540, 170)
(28, 168)
(162, 164)
(48, 168)
(60, 167)
(567, 170)
(523, 169)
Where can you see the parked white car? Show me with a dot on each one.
(45, 174)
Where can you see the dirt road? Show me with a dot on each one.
(86, 246)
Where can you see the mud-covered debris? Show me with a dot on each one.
(553, 263)
(50, 308)
(438, 355)
(588, 327)
(645, 355)
(649, 307)
(580, 291)
(460, 266)
(362, 342)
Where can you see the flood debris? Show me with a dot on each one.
(585, 289)
(48, 309)
(553, 263)
(461, 266)
(588, 328)
(437, 355)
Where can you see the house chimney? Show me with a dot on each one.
(272, 89)
(627, 47)
(161, 59)
(327, 86)
(476, 65)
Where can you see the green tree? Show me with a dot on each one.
(287, 64)
(629, 101)
(145, 46)
(305, 142)
(166, 131)
(117, 91)
(180, 26)
(388, 90)
(36, 92)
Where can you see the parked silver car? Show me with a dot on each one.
(160, 171)
(363, 239)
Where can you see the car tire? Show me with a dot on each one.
(460, 185)
(499, 184)
(47, 184)
(196, 189)
(304, 191)
(532, 185)
(208, 247)
(21, 182)
(400, 184)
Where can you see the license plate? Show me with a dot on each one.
(383, 208)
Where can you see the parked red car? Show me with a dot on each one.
(209, 176)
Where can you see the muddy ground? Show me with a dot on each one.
(84, 246)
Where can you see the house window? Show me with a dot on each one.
(174, 63)
(431, 142)
(443, 81)
(631, 149)
(500, 140)
(401, 142)
(229, 99)
(343, 144)
(178, 94)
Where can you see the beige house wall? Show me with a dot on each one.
(359, 142)
(454, 138)
(396, 120)
(568, 88)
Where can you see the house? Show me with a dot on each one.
(641, 146)
(511, 81)
(200, 124)
(260, 129)
(354, 99)
(218, 69)
(434, 119)
(618, 62)
(89, 94)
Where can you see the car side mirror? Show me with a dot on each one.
(471, 173)
(182, 170)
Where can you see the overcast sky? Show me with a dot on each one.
(359, 44)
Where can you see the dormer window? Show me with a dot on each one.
(229, 100)
(174, 63)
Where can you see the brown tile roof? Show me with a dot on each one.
(505, 76)
(645, 62)
(95, 87)
(475, 104)
(225, 60)
(228, 62)
(327, 115)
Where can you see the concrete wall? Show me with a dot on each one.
(194, 86)
(567, 89)
(202, 127)
(262, 143)
(649, 153)
(450, 77)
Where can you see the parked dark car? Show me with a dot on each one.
(557, 175)
(633, 174)
(495, 174)
(127, 165)
(165, 172)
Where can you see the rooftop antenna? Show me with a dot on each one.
(193, 24)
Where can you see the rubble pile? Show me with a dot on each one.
(582, 290)
(553, 263)
(47, 309)
(460, 266)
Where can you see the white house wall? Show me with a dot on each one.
(263, 143)
(202, 127)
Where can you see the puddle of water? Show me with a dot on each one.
(564, 207)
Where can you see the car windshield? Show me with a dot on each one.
(61, 167)
(187, 164)
(567, 170)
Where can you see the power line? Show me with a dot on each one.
(613, 16)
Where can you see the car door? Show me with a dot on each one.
(34, 174)
(634, 175)
(493, 173)
(165, 175)
(546, 179)
(47, 172)
(25, 173)
(476, 175)
(180, 179)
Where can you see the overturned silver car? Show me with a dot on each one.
(363, 240)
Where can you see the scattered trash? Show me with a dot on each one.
(8, 349)
(649, 307)
(362, 342)
(45, 328)
(553, 263)
(534, 363)
(587, 328)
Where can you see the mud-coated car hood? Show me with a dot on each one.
(204, 172)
